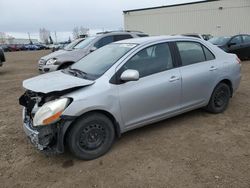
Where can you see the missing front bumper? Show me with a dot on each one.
(48, 139)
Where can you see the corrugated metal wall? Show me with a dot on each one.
(233, 18)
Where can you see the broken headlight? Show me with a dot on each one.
(50, 112)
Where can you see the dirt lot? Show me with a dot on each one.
(196, 149)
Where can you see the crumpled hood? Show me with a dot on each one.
(65, 55)
(54, 81)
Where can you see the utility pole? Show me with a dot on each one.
(55, 37)
(29, 38)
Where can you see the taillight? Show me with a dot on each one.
(238, 60)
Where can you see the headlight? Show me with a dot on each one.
(50, 112)
(51, 61)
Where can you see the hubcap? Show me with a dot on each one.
(92, 137)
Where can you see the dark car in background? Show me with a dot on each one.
(5, 47)
(238, 44)
(2, 57)
(200, 36)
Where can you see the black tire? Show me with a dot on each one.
(220, 98)
(91, 136)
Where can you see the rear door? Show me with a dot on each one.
(198, 71)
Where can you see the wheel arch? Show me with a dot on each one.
(229, 83)
(106, 113)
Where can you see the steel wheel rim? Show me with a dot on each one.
(92, 137)
(220, 98)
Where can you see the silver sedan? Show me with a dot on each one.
(123, 86)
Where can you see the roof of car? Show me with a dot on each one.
(142, 40)
(119, 32)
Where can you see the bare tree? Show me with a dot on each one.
(2, 37)
(80, 31)
(44, 35)
(75, 32)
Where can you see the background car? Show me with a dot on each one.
(59, 46)
(2, 57)
(5, 47)
(31, 47)
(200, 36)
(65, 58)
(238, 44)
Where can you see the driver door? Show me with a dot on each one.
(157, 92)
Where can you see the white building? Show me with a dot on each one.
(216, 17)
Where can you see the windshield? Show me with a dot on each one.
(84, 43)
(72, 44)
(99, 61)
(219, 40)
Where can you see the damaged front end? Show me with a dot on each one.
(44, 104)
(50, 137)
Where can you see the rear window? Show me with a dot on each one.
(190, 52)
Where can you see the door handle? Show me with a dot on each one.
(174, 78)
(212, 68)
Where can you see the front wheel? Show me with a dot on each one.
(220, 98)
(91, 136)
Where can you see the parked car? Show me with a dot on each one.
(238, 44)
(31, 47)
(63, 59)
(200, 36)
(2, 57)
(13, 47)
(5, 47)
(123, 86)
(59, 46)
(41, 46)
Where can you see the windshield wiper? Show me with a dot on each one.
(77, 73)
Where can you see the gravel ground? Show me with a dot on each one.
(196, 149)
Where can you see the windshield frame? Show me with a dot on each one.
(88, 40)
(73, 44)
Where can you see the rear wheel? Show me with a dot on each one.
(91, 136)
(220, 98)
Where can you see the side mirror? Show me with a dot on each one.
(93, 49)
(130, 75)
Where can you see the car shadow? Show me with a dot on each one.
(161, 125)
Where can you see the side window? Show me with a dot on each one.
(208, 54)
(246, 39)
(104, 41)
(236, 40)
(151, 60)
(190, 52)
(122, 37)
